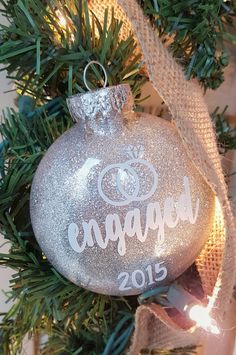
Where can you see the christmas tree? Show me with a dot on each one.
(45, 48)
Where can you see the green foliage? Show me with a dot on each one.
(46, 58)
(226, 135)
(196, 30)
(47, 45)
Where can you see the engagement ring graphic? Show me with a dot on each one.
(133, 180)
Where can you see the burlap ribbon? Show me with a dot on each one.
(216, 263)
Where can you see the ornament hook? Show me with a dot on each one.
(85, 72)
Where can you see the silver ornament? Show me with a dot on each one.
(116, 204)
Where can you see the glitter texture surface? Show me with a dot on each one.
(101, 179)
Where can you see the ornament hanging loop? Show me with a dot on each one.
(85, 72)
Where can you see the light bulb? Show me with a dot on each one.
(201, 316)
(61, 19)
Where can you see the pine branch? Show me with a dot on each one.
(47, 58)
(226, 134)
(46, 47)
(197, 31)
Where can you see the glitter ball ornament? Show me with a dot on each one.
(116, 204)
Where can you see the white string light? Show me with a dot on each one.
(64, 24)
(190, 306)
(201, 315)
(62, 20)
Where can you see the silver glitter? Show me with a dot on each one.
(117, 165)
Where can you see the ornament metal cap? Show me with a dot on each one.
(102, 103)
